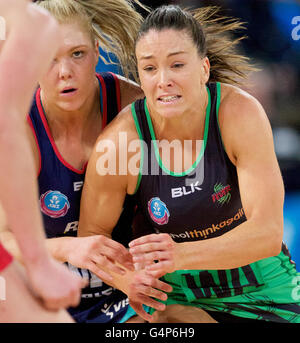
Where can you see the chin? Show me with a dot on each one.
(170, 112)
(69, 107)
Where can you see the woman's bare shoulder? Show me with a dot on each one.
(239, 107)
(241, 117)
(121, 127)
(130, 91)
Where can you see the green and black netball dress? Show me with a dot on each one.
(202, 203)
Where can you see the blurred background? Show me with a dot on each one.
(273, 45)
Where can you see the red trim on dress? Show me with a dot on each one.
(46, 126)
(104, 101)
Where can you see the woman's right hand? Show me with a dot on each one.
(54, 284)
(99, 254)
(144, 289)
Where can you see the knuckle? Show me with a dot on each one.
(148, 290)
(86, 261)
(152, 282)
(102, 259)
(169, 243)
(92, 267)
(115, 255)
(169, 255)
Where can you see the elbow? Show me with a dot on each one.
(275, 248)
(275, 239)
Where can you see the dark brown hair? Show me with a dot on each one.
(211, 34)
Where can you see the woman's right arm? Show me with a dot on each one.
(24, 58)
(102, 201)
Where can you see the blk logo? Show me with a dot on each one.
(182, 191)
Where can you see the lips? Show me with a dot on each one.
(168, 98)
(68, 90)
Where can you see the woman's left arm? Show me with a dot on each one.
(248, 140)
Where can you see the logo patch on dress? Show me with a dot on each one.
(54, 204)
(158, 211)
(221, 194)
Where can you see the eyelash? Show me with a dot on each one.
(76, 52)
(176, 65)
(149, 69)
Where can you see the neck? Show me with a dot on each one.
(186, 126)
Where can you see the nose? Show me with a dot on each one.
(164, 79)
(65, 69)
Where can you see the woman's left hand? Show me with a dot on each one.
(158, 252)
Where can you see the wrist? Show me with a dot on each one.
(123, 282)
(180, 254)
(36, 259)
(34, 253)
(61, 248)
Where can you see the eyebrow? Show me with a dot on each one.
(148, 57)
(78, 47)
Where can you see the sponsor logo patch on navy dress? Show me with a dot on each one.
(54, 204)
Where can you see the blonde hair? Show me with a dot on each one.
(211, 34)
(114, 23)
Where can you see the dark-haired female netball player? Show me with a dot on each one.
(217, 211)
